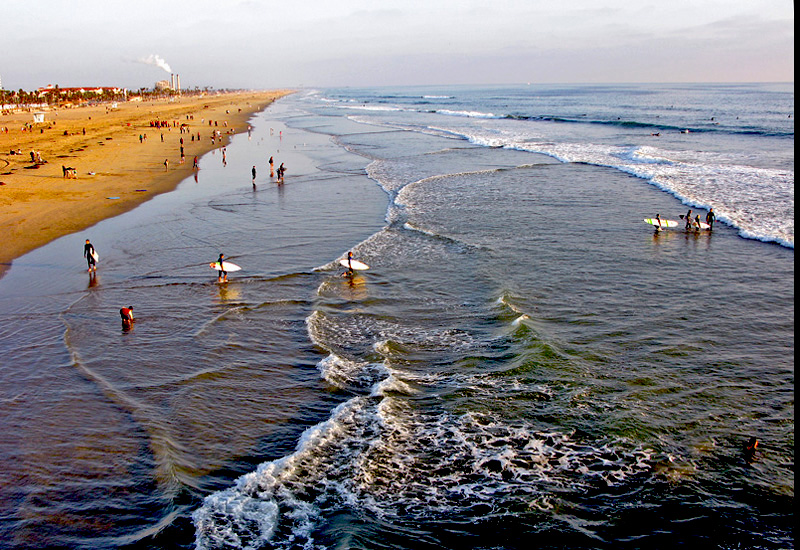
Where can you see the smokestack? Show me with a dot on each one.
(172, 81)
(178, 83)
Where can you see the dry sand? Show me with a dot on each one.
(38, 204)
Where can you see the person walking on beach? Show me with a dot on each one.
(281, 170)
(89, 254)
(223, 275)
(195, 166)
(166, 164)
(271, 171)
(710, 219)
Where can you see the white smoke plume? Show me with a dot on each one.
(156, 60)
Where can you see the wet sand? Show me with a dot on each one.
(114, 169)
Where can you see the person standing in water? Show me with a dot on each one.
(350, 272)
(710, 219)
(688, 219)
(88, 253)
(223, 275)
(126, 313)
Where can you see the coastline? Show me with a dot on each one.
(38, 204)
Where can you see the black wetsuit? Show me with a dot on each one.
(88, 251)
(710, 219)
(222, 272)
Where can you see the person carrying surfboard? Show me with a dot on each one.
(223, 275)
(688, 218)
(349, 272)
(89, 254)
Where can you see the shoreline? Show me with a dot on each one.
(38, 204)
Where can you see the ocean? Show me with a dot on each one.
(525, 364)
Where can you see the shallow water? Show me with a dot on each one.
(524, 360)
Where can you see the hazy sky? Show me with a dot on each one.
(290, 43)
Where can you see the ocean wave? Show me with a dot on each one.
(655, 127)
(384, 457)
(759, 202)
(469, 114)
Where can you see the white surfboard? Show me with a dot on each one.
(227, 265)
(95, 255)
(360, 266)
(664, 223)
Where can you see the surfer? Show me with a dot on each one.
(350, 272)
(696, 223)
(688, 219)
(710, 219)
(88, 253)
(750, 450)
(223, 275)
(658, 219)
(254, 175)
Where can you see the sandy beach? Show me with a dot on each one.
(118, 156)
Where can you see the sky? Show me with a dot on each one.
(268, 44)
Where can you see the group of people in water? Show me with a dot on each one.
(281, 171)
(695, 223)
(692, 223)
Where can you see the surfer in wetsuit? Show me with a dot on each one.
(710, 219)
(88, 253)
(350, 272)
(223, 275)
(688, 218)
(697, 223)
(750, 450)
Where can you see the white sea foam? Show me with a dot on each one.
(379, 453)
(469, 114)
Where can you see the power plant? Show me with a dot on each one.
(175, 82)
